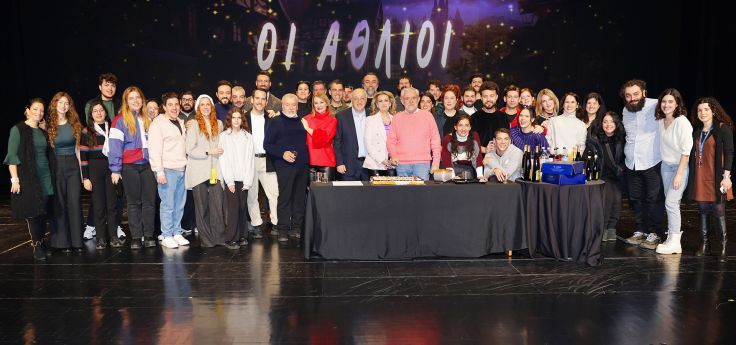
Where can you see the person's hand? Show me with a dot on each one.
(289, 157)
(500, 174)
(87, 185)
(342, 169)
(15, 188)
(306, 125)
(538, 129)
(491, 146)
(272, 113)
(231, 188)
(116, 178)
(677, 181)
(394, 162)
(545, 123)
(482, 179)
(161, 179)
(215, 151)
(726, 183)
(387, 163)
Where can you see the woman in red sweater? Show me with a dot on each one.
(321, 127)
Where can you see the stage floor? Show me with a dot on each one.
(268, 293)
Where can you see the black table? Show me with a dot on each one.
(395, 222)
(565, 222)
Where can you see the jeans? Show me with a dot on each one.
(173, 196)
(673, 196)
(420, 170)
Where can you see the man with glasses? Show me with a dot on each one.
(187, 106)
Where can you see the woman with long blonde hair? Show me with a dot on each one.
(65, 131)
(128, 161)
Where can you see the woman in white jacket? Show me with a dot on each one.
(377, 127)
(237, 165)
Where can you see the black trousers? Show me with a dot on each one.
(68, 206)
(292, 197)
(360, 174)
(189, 220)
(236, 205)
(37, 225)
(140, 193)
(646, 196)
(105, 199)
(387, 172)
(208, 203)
(611, 204)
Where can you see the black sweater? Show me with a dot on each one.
(286, 134)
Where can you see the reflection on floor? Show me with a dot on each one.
(268, 293)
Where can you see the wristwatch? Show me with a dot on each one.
(14, 180)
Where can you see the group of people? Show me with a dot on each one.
(209, 157)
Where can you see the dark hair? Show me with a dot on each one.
(263, 73)
(168, 95)
(91, 132)
(488, 85)
(619, 134)
(35, 100)
(187, 92)
(579, 111)
(309, 85)
(370, 73)
(107, 77)
(532, 115)
(502, 130)
(316, 82)
(153, 100)
(719, 114)
(476, 75)
(431, 99)
(469, 88)
(405, 76)
(601, 110)
(223, 82)
(229, 119)
(335, 81)
(454, 143)
(511, 87)
(633, 82)
(434, 82)
(259, 89)
(679, 110)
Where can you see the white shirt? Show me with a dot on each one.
(258, 122)
(642, 137)
(359, 120)
(676, 140)
(237, 162)
(469, 111)
(566, 130)
(510, 162)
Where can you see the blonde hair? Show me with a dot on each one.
(374, 107)
(547, 92)
(128, 117)
(323, 97)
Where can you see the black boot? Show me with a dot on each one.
(38, 252)
(722, 230)
(704, 229)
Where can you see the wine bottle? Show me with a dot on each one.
(525, 164)
(596, 166)
(588, 167)
(536, 165)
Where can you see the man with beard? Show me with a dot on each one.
(468, 99)
(643, 160)
(487, 120)
(238, 98)
(223, 93)
(404, 82)
(187, 106)
(476, 80)
(511, 96)
(370, 85)
(336, 97)
(319, 87)
(273, 103)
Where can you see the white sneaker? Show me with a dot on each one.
(121, 233)
(180, 240)
(169, 242)
(671, 245)
(160, 238)
(89, 232)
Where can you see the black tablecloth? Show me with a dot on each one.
(390, 222)
(565, 222)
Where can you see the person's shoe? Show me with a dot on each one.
(671, 245)
(136, 243)
(609, 235)
(169, 242)
(651, 242)
(65, 250)
(180, 240)
(283, 238)
(149, 242)
(101, 244)
(121, 233)
(243, 242)
(187, 233)
(721, 225)
(89, 232)
(637, 238)
(295, 234)
(258, 231)
(704, 229)
(232, 245)
(160, 237)
(78, 250)
(116, 243)
(38, 252)
(274, 231)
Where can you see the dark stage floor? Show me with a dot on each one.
(268, 293)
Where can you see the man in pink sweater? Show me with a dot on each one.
(413, 135)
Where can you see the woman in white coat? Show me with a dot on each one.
(377, 127)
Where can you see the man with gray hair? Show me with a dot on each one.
(350, 150)
(412, 137)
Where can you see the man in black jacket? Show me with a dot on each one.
(350, 150)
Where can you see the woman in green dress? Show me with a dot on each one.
(30, 174)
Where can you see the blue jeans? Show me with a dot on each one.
(420, 170)
(673, 196)
(173, 196)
